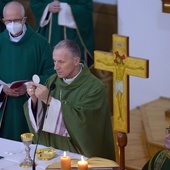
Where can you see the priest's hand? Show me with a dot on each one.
(31, 92)
(11, 92)
(54, 6)
(42, 93)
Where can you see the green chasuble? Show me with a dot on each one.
(86, 115)
(2, 4)
(20, 61)
(82, 11)
(160, 161)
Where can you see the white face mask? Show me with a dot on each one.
(14, 27)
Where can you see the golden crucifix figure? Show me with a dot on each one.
(122, 65)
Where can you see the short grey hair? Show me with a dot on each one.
(70, 46)
(21, 7)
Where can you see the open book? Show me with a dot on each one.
(95, 163)
(14, 84)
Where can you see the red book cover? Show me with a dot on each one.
(16, 84)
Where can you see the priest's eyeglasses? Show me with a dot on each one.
(6, 21)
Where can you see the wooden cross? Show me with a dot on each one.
(122, 65)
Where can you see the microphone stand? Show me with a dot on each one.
(41, 125)
(39, 134)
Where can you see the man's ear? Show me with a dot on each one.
(77, 60)
(24, 19)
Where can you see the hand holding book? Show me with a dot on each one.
(14, 84)
(14, 89)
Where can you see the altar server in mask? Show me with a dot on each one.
(23, 53)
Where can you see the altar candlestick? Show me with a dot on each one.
(65, 162)
(82, 164)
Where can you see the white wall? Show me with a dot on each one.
(149, 38)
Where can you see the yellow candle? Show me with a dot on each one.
(65, 162)
(82, 165)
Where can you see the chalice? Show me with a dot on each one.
(27, 140)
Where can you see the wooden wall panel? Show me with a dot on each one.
(105, 24)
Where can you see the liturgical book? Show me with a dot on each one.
(14, 84)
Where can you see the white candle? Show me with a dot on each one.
(82, 164)
(65, 162)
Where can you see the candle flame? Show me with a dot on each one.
(64, 154)
(82, 158)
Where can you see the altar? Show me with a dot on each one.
(12, 153)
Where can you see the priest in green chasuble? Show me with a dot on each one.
(23, 53)
(66, 19)
(78, 117)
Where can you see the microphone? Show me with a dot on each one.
(52, 87)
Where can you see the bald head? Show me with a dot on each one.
(13, 8)
(14, 18)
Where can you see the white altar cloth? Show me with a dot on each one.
(14, 153)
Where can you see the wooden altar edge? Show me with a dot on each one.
(155, 122)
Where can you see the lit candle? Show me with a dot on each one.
(82, 165)
(65, 162)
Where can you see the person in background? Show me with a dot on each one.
(78, 117)
(23, 53)
(66, 19)
(2, 4)
(161, 160)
